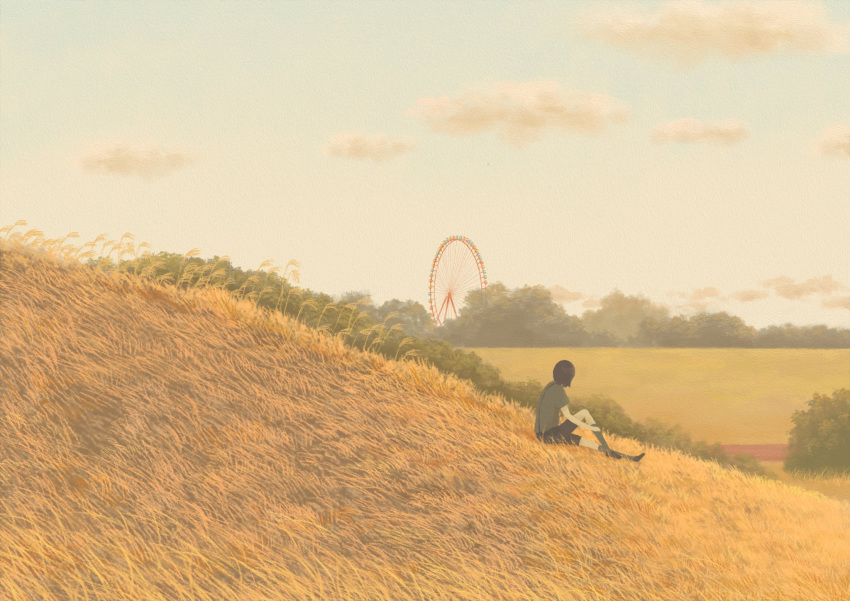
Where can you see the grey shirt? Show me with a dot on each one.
(549, 406)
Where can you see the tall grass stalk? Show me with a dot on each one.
(191, 253)
(406, 340)
(310, 303)
(322, 314)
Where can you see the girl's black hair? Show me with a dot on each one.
(564, 372)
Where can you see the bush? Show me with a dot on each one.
(820, 438)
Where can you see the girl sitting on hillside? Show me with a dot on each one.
(554, 399)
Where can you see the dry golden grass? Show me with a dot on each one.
(831, 484)
(165, 445)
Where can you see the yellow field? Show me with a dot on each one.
(731, 396)
(160, 444)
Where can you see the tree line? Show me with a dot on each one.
(497, 317)
(528, 317)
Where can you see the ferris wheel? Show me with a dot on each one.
(457, 270)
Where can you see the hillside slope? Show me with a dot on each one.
(159, 444)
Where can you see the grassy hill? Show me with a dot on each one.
(169, 445)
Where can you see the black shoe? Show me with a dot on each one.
(636, 457)
(613, 453)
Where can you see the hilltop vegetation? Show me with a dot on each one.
(499, 317)
(392, 331)
(167, 444)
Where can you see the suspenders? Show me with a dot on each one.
(542, 394)
(544, 391)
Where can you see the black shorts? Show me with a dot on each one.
(562, 434)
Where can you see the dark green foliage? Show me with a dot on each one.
(724, 330)
(524, 317)
(413, 317)
(620, 316)
(791, 336)
(469, 366)
(701, 330)
(820, 438)
(528, 317)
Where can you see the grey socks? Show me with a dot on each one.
(603, 446)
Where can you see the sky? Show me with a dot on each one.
(696, 152)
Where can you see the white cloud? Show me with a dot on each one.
(695, 306)
(520, 111)
(727, 131)
(841, 302)
(787, 288)
(690, 31)
(835, 140)
(748, 296)
(698, 299)
(377, 147)
(705, 293)
(119, 158)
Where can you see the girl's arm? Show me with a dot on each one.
(581, 418)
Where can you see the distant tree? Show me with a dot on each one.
(820, 438)
(361, 297)
(791, 336)
(523, 317)
(620, 316)
(677, 332)
(701, 330)
(722, 330)
(778, 336)
(496, 317)
(824, 337)
(413, 317)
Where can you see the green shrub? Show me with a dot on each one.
(820, 438)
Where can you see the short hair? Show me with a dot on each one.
(564, 372)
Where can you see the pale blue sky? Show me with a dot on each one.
(253, 92)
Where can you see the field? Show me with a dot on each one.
(731, 396)
(167, 444)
